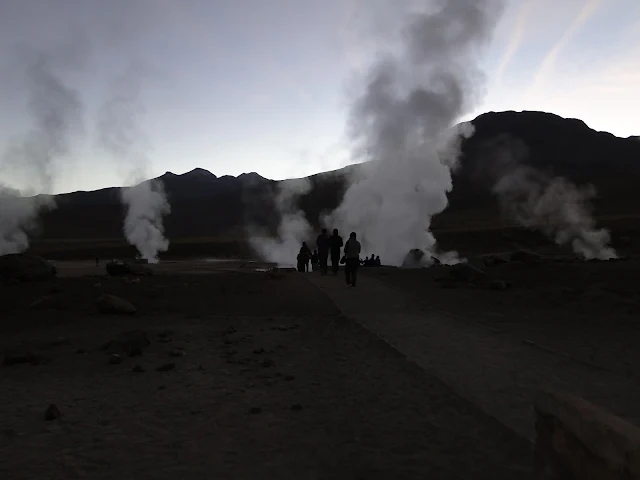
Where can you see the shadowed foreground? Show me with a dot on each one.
(273, 383)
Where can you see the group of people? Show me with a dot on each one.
(340, 252)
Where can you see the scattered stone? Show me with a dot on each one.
(17, 358)
(137, 369)
(255, 410)
(114, 305)
(267, 362)
(493, 260)
(465, 272)
(55, 289)
(177, 352)
(288, 378)
(97, 285)
(259, 350)
(131, 342)
(52, 413)
(498, 285)
(115, 359)
(162, 387)
(49, 302)
(166, 367)
(25, 268)
(296, 407)
(81, 351)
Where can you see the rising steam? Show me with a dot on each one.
(552, 205)
(56, 113)
(403, 122)
(120, 135)
(293, 227)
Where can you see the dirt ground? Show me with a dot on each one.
(259, 378)
(588, 310)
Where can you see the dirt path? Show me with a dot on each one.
(496, 371)
(256, 395)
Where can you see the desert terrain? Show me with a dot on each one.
(224, 372)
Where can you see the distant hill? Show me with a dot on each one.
(204, 205)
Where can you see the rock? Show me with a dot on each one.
(81, 351)
(166, 367)
(465, 272)
(288, 378)
(52, 413)
(255, 410)
(49, 302)
(526, 256)
(132, 342)
(137, 369)
(55, 289)
(498, 285)
(177, 352)
(114, 305)
(116, 267)
(259, 350)
(21, 357)
(25, 268)
(296, 407)
(267, 362)
(60, 341)
(493, 260)
(414, 259)
(115, 359)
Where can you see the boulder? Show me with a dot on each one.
(465, 272)
(526, 256)
(115, 305)
(117, 267)
(414, 259)
(25, 268)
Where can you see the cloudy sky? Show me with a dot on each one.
(236, 86)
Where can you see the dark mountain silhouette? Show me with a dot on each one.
(204, 205)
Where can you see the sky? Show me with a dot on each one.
(237, 86)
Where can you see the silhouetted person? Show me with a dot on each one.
(322, 242)
(335, 244)
(378, 263)
(304, 256)
(314, 260)
(352, 254)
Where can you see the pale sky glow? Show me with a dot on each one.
(253, 85)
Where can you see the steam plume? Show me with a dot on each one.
(293, 227)
(552, 205)
(56, 112)
(120, 135)
(403, 122)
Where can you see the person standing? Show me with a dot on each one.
(352, 254)
(335, 243)
(322, 242)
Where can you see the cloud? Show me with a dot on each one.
(515, 39)
(549, 61)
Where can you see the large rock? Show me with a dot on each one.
(25, 268)
(416, 258)
(465, 272)
(526, 256)
(577, 440)
(112, 304)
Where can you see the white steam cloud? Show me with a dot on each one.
(552, 205)
(120, 135)
(404, 123)
(57, 114)
(293, 228)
